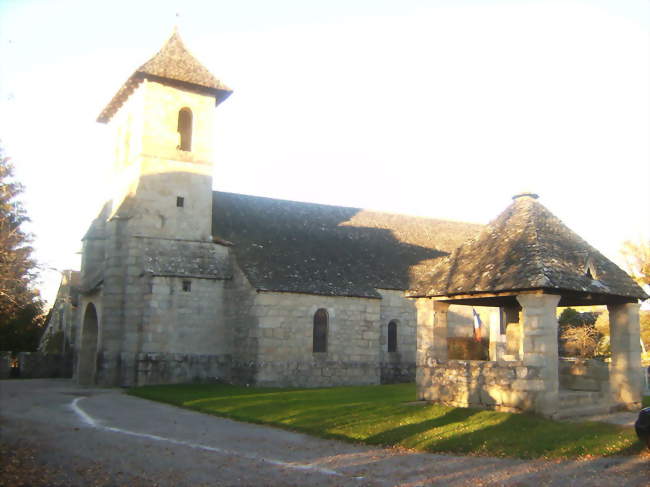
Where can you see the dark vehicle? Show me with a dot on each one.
(642, 426)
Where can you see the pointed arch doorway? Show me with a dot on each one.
(88, 352)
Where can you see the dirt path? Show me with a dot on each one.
(122, 440)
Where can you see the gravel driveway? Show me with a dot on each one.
(131, 441)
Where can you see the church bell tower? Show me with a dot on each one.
(162, 120)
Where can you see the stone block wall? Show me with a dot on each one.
(283, 330)
(398, 366)
(184, 321)
(151, 171)
(502, 386)
(176, 368)
(397, 371)
(37, 365)
(578, 374)
(243, 326)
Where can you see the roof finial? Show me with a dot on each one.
(526, 194)
(178, 19)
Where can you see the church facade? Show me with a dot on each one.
(180, 282)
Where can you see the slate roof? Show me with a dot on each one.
(173, 63)
(184, 259)
(526, 247)
(330, 250)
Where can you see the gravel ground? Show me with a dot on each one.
(56, 433)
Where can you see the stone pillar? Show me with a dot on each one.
(424, 330)
(424, 335)
(626, 376)
(431, 343)
(539, 348)
(497, 340)
(440, 309)
(512, 332)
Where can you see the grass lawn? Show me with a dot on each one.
(380, 415)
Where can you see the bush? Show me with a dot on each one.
(572, 317)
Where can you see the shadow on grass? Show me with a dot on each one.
(531, 437)
(396, 435)
(377, 415)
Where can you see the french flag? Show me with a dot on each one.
(477, 325)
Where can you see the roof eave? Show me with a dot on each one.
(220, 94)
(567, 293)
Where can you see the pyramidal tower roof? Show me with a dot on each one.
(172, 64)
(528, 248)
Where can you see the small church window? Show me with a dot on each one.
(320, 331)
(180, 201)
(187, 286)
(185, 129)
(392, 336)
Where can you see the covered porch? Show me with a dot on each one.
(527, 263)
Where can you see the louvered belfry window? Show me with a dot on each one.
(320, 331)
(185, 129)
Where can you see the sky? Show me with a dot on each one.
(437, 108)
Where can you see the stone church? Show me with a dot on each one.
(179, 282)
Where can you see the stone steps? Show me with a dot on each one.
(571, 399)
(581, 403)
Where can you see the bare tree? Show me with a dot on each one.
(637, 259)
(581, 341)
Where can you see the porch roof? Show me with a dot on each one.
(527, 249)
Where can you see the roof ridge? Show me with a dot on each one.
(372, 210)
(537, 252)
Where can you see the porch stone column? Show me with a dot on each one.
(497, 344)
(424, 331)
(626, 376)
(424, 352)
(539, 348)
(440, 309)
(431, 344)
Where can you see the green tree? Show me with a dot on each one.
(572, 317)
(20, 304)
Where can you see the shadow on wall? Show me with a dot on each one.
(285, 245)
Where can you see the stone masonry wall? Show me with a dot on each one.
(503, 386)
(400, 366)
(242, 325)
(397, 366)
(285, 340)
(175, 368)
(179, 321)
(578, 374)
(39, 365)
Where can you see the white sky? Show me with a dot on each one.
(439, 108)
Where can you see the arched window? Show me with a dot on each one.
(185, 129)
(392, 336)
(320, 331)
